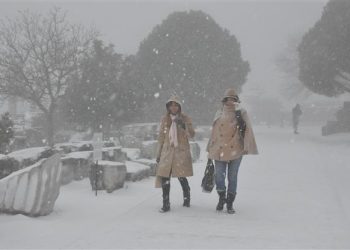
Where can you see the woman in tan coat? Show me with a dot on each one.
(232, 137)
(173, 153)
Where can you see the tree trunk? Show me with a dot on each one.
(50, 128)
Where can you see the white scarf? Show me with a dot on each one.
(173, 131)
(228, 111)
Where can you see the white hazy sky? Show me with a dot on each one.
(262, 27)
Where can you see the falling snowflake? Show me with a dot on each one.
(155, 51)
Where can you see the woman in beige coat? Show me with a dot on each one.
(232, 137)
(173, 153)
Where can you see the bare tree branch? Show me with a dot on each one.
(39, 55)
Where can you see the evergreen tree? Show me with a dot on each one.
(190, 54)
(325, 51)
(104, 94)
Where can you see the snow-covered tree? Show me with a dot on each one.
(39, 54)
(190, 54)
(104, 93)
(325, 51)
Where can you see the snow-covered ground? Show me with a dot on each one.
(295, 194)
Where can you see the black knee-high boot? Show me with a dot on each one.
(186, 191)
(222, 200)
(230, 199)
(166, 193)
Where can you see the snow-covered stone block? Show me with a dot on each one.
(108, 175)
(148, 149)
(76, 166)
(341, 124)
(75, 146)
(132, 153)
(33, 190)
(149, 162)
(136, 171)
(66, 148)
(114, 154)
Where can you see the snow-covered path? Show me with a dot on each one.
(293, 195)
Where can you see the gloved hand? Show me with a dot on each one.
(158, 160)
(180, 122)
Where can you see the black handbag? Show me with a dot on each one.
(208, 181)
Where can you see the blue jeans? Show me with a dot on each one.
(220, 174)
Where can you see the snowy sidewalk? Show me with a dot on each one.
(293, 195)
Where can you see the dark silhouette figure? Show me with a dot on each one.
(296, 117)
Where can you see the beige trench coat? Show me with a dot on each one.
(175, 162)
(225, 143)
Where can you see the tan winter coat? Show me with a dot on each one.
(175, 162)
(225, 144)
